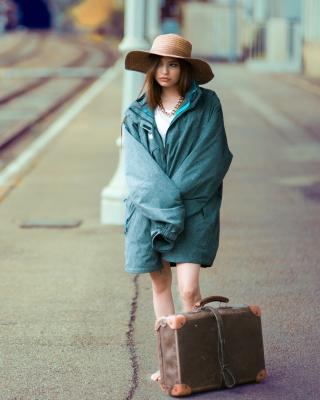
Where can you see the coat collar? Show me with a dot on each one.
(142, 107)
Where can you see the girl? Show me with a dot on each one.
(176, 156)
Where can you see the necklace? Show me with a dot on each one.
(174, 110)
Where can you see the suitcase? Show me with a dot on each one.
(210, 348)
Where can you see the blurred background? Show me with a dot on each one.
(276, 35)
(51, 51)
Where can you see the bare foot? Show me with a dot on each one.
(156, 376)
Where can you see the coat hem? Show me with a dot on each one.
(144, 270)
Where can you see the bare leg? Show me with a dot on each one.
(188, 282)
(162, 297)
(161, 288)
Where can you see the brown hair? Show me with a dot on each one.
(153, 89)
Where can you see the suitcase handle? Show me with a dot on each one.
(210, 299)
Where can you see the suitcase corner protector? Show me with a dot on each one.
(162, 321)
(256, 310)
(261, 375)
(181, 390)
(176, 321)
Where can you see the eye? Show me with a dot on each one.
(174, 65)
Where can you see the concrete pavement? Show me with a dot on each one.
(65, 299)
(67, 305)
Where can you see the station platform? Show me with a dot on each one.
(68, 306)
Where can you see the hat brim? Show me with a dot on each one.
(139, 60)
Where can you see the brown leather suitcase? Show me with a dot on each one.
(210, 348)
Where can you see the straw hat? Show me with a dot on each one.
(170, 45)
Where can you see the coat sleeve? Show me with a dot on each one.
(202, 172)
(153, 193)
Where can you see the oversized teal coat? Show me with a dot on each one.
(175, 190)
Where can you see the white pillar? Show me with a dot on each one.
(112, 196)
(233, 10)
(277, 45)
(153, 19)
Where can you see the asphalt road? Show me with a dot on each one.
(75, 326)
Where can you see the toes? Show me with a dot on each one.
(156, 376)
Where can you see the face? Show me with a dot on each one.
(168, 72)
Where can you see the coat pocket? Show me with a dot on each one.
(130, 209)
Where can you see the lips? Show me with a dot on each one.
(164, 79)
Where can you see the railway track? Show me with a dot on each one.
(20, 46)
(29, 103)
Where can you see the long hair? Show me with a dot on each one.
(153, 89)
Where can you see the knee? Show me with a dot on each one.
(189, 294)
(161, 284)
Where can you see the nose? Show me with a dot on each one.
(164, 70)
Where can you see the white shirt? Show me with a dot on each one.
(163, 122)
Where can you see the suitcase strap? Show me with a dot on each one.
(227, 374)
